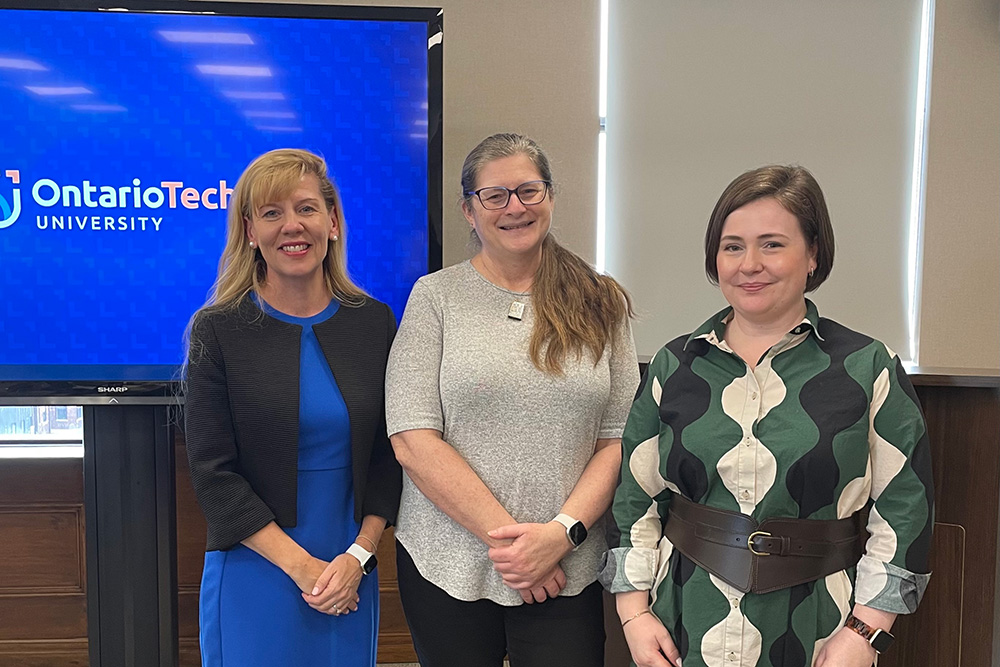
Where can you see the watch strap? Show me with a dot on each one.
(565, 519)
(364, 557)
(879, 639)
(576, 532)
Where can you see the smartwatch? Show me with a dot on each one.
(878, 638)
(576, 532)
(365, 557)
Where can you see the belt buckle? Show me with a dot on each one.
(750, 537)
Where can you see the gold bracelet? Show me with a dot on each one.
(635, 616)
(369, 540)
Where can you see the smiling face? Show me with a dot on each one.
(763, 262)
(517, 231)
(293, 235)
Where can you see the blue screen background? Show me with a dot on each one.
(81, 304)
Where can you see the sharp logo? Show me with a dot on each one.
(111, 390)
(10, 212)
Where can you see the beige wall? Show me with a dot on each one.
(959, 325)
(700, 91)
(559, 41)
(546, 56)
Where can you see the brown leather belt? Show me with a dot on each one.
(775, 554)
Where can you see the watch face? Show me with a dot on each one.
(881, 641)
(369, 564)
(577, 533)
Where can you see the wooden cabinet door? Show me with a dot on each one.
(43, 573)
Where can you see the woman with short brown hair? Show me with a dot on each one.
(753, 451)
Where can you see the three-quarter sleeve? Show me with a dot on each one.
(232, 509)
(412, 379)
(893, 572)
(643, 495)
(624, 370)
(385, 477)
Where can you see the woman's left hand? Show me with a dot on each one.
(846, 648)
(336, 590)
(534, 552)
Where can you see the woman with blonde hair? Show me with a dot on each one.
(507, 391)
(285, 430)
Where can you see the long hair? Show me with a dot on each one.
(270, 177)
(576, 308)
(242, 269)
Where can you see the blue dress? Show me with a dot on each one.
(252, 613)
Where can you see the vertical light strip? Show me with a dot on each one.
(917, 187)
(602, 189)
(602, 95)
(602, 149)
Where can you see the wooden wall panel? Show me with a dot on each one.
(43, 589)
(394, 641)
(933, 636)
(48, 653)
(32, 481)
(41, 550)
(964, 427)
(42, 618)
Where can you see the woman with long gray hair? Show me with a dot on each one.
(507, 391)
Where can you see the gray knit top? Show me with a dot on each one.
(460, 365)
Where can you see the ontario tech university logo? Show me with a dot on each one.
(10, 213)
(88, 207)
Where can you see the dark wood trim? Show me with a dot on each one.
(44, 653)
(924, 376)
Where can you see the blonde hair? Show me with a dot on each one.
(576, 308)
(268, 178)
(242, 269)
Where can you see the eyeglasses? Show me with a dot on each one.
(497, 197)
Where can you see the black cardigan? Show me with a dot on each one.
(242, 414)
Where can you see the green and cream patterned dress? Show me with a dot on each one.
(825, 423)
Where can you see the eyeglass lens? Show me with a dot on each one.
(529, 193)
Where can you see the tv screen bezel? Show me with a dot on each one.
(125, 392)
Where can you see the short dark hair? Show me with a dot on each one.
(798, 192)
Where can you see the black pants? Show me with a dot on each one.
(452, 633)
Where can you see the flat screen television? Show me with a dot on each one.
(124, 127)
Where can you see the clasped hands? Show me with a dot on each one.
(527, 557)
(330, 588)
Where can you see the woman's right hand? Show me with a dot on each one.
(554, 582)
(307, 572)
(306, 576)
(650, 643)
